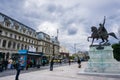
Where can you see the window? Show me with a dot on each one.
(30, 32)
(19, 37)
(0, 32)
(25, 46)
(35, 35)
(36, 48)
(26, 39)
(6, 33)
(15, 36)
(9, 44)
(6, 20)
(7, 23)
(24, 30)
(14, 44)
(0, 41)
(22, 46)
(16, 26)
(23, 39)
(29, 40)
(11, 35)
(4, 43)
(18, 45)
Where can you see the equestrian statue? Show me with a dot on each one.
(100, 33)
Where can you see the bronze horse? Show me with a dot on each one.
(100, 33)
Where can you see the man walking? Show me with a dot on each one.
(79, 63)
(18, 68)
(51, 64)
(69, 62)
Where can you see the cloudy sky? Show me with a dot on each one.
(73, 18)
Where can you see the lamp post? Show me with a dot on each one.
(53, 50)
(75, 47)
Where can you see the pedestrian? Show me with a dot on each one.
(60, 61)
(79, 63)
(1, 66)
(69, 62)
(6, 64)
(51, 64)
(18, 68)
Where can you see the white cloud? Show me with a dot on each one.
(73, 18)
(49, 28)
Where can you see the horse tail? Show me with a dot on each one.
(113, 35)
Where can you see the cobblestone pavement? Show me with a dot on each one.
(59, 73)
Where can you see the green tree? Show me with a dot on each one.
(116, 51)
(71, 57)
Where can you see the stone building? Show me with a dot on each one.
(64, 53)
(16, 36)
(47, 45)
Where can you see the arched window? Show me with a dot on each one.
(36, 48)
(22, 46)
(9, 44)
(0, 32)
(15, 36)
(18, 45)
(25, 46)
(0, 41)
(14, 44)
(4, 43)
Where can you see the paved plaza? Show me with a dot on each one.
(60, 73)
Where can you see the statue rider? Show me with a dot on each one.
(101, 30)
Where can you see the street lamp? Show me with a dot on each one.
(75, 47)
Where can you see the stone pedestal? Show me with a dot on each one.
(102, 60)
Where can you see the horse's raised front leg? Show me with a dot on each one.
(88, 38)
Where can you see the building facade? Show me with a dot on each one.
(47, 45)
(16, 36)
(64, 53)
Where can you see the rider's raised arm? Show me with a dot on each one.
(104, 20)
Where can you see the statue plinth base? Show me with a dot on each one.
(102, 60)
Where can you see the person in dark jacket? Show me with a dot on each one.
(69, 62)
(51, 64)
(79, 63)
(1, 66)
(18, 68)
(6, 64)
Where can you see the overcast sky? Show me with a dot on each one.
(73, 18)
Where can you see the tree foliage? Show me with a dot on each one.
(116, 51)
(71, 57)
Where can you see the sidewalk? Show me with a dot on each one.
(59, 73)
(13, 71)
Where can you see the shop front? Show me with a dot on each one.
(28, 59)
